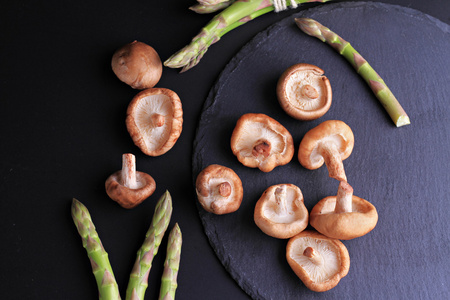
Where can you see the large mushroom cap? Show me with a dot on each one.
(320, 262)
(155, 120)
(281, 212)
(344, 216)
(219, 189)
(129, 187)
(138, 65)
(304, 92)
(331, 142)
(258, 141)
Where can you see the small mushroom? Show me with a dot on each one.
(319, 261)
(258, 141)
(138, 65)
(330, 142)
(281, 212)
(155, 120)
(219, 189)
(344, 216)
(304, 92)
(129, 187)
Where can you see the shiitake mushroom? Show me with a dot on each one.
(138, 65)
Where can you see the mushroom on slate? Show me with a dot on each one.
(281, 212)
(155, 120)
(219, 189)
(129, 187)
(304, 92)
(330, 142)
(344, 216)
(320, 262)
(258, 141)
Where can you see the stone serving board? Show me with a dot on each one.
(402, 171)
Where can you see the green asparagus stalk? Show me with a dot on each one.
(210, 8)
(101, 267)
(138, 281)
(210, 2)
(240, 12)
(171, 265)
(362, 67)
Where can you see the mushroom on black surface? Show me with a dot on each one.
(259, 141)
(129, 187)
(330, 142)
(304, 92)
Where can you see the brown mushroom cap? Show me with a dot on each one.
(138, 65)
(344, 216)
(304, 92)
(281, 212)
(155, 120)
(320, 262)
(129, 187)
(219, 189)
(258, 141)
(330, 142)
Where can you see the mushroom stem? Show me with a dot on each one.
(262, 147)
(129, 170)
(308, 91)
(280, 197)
(344, 198)
(225, 189)
(313, 255)
(158, 120)
(333, 160)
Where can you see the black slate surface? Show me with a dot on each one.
(402, 171)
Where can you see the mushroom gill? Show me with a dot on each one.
(257, 133)
(330, 259)
(150, 108)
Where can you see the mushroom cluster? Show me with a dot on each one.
(340, 217)
(316, 256)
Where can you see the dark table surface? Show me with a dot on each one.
(62, 131)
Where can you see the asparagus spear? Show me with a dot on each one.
(210, 2)
(138, 281)
(240, 11)
(171, 265)
(210, 8)
(362, 67)
(101, 267)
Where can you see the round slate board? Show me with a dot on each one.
(402, 171)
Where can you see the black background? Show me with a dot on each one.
(62, 114)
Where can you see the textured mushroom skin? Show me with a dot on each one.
(346, 225)
(138, 65)
(126, 197)
(298, 213)
(208, 189)
(278, 155)
(295, 110)
(336, 130)
(341, 252)
(173, 122)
